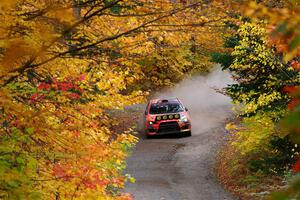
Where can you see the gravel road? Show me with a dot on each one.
(175, 168)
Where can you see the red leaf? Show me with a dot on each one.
(290, 89)
(296, 167)
(74, 96)
(89, 184)
(295, 65)
(82, 77)
(293, 104)
(59, 171)
(44, 86)
(65, 86)
(36, 96)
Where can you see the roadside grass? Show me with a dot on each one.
(235, 176)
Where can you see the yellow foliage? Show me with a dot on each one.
(60, 74)
(253, 135)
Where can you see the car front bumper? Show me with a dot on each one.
(155, 130)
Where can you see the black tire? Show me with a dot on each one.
(188, 134)
(149, 136)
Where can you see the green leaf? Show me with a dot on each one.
(294, 43)
(279, 196)
(32, 163)
(35, 195)
(30, 131)
(292, 120)
(4, 166)
(116, 9)
(20, 160)
(13, 184)
(296, 185)
(281, 28)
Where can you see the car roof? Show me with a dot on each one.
(165, 100)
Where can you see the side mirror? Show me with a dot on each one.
(186, 109)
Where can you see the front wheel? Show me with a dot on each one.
(188, 134)
(149, 136)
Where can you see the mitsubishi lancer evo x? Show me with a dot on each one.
(167, 116)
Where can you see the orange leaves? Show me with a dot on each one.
(43, 33)
(64, 95)
(285, 34)
(7, 4)
(36, 97)
(64, 15)
(60, 171)
(295, 65)
(294, 92)
(291, 89)
(16, 52)
(293, 104)
(26, 32)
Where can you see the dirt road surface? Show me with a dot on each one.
(176, 168)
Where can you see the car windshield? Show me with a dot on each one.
(163, 108)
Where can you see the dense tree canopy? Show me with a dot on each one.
(260, 72)
(64, 64)
(263, 56)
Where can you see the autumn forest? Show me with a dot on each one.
(66, 64)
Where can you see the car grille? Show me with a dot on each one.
(168, 126)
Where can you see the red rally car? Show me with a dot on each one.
(167, 116)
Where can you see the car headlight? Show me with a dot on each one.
(150, 123)
(183, 118)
